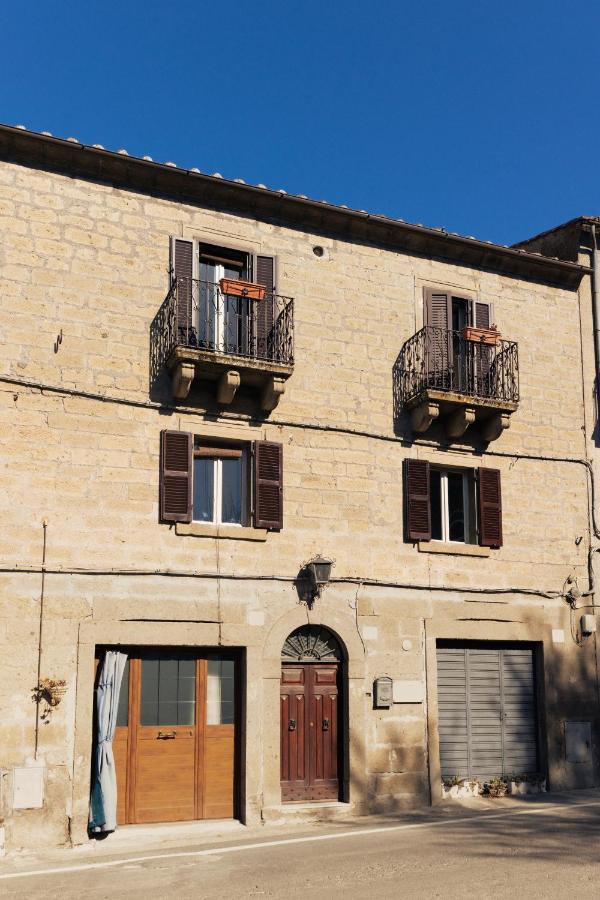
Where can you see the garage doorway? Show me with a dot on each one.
(176, 740)
(487, 710)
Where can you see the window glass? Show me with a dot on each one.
(204, 489)
(435, 478)
(123, 707)
(231, 490)
(456, 506)
(168, 691)
(207, 305)
(220, 701)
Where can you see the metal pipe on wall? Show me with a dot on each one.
(596, 309)
(40, 641)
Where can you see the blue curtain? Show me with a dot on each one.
(103, 798)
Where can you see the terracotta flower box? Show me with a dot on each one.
(489, 336)
(234, 287)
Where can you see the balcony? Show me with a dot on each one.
(451, 377)
(201, 332)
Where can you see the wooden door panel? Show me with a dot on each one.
(293, 732)
(293, 675)
(318, 737)
(165, 775)
(219, 764)
(293, 739)
(324, 733)
(121, 754)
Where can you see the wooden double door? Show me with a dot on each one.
(310, 731)
(175, 740)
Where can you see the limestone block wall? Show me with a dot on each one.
(90, 261)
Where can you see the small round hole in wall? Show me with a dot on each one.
(318, 251)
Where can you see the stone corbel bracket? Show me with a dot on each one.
(493, 427)
(183, 375)
(457, 422)
(227, 386)
(423, 415)
(271, 393)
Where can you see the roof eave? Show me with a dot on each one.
(97, 164)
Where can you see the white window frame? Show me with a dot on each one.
(220, 302)
(218, 494)
(467, 487)
(220, 311)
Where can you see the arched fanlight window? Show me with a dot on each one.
(311, 643)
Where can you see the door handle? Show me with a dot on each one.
(325, 724)
(166, 735)
(292, 725)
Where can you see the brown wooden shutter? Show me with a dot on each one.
(438, 343)
(182, 263)
(482, 315)
(265, 309)
(490, 508)
(176, 460)
(484, 353)
(268, 485)
(417, 505)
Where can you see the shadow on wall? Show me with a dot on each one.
(391, 775)
(572, 695)
(390, 769)
(403, 429)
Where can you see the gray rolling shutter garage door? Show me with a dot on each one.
(487, 710)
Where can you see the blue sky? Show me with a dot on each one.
(477, 116)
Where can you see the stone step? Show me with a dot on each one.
(318, 811)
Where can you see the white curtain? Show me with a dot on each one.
(103, 798)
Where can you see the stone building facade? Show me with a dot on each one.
(97, 550)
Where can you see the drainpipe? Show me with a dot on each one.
(596, 312)
(596, 326)
(40, 635)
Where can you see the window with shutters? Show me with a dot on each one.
(223, 320)
(219, 487)
(451, 505)
(453, 516)
(208, 482)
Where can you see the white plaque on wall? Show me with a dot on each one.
(408, 691)
(28, 787)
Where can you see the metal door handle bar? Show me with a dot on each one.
(325, 724)
(292, 725)
(166, 735)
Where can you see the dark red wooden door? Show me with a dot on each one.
(310, 731)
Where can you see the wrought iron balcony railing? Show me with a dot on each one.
(435, 359)
(198, 315)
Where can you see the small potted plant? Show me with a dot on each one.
(49, 692)
(497, 787)
(235, 287)
(457, 788)
(488, 336)
(526, 784)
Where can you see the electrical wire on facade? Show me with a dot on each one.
(289, 579)
(310, 426)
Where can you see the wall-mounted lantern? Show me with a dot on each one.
(313, 577)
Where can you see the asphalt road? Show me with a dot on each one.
(548, 849)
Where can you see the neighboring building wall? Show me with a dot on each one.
(89, 261)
